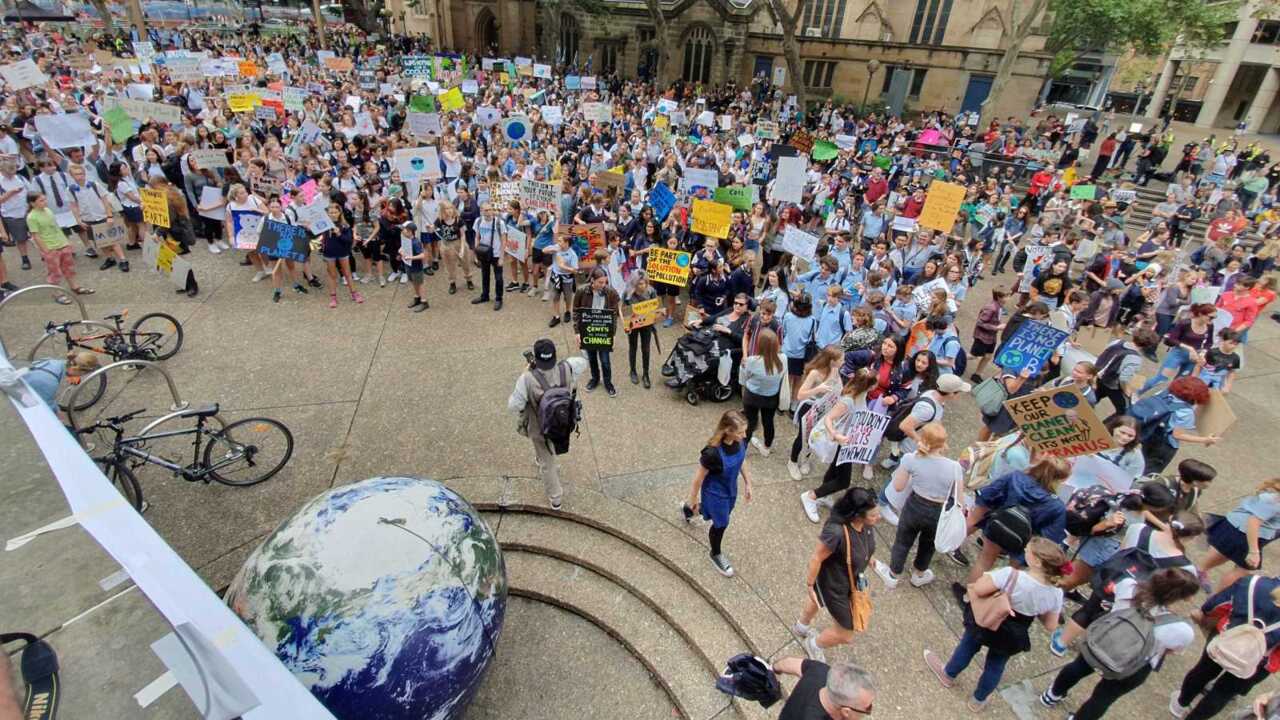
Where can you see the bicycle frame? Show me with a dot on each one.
(124, 446)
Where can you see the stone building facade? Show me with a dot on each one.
(948, 49)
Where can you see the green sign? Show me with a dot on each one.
(120, 123)
(824, 150)
(422, 103)
(738, 196)
(1084, 192)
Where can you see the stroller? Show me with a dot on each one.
(700, 365)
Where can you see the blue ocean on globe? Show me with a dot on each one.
(384, 598)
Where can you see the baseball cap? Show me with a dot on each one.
(951, 384)
(544, 354)
(409, 226)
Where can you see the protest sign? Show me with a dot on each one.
(661, 199)
(210, 159)
(788, 186)
(923, 294)
(711, 218)
(607, 178)
(1205, 295)
(364, 124)
(641, 314)
(163, 257)
(864, 430)
(536, 195)
(186, 69)
(283, 241)
(264, 112)
(294, 98)
(596, 327)
(553, 114)
(1084, 192)
(339, 64)
(597, 112)
(846, 142)
(1038, 258)
(1030, 346)
(111, 232)
(824, 150)
(212, 195)
(767, 130)
(515, 243)
(541, 71)
(22, 74)
(143, 111)
(1090, 470)
(247, 68)
(65, 131)
(818, 409)
(1215, 416)
(799, 243)
(241, 102)
(415, 163)
(1059, 422)
(247, 228)
(155, 207)
(585, 239)
(417, 66)
(669, 266)
(422, 124)
(941, 205)
(1124, 196)
(504, 192)
(736, 196)
(904, 224)
(452, 100)
(699, 183)
(802, 141)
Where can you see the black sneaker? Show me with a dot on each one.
(453, 288)
(721, 563)
(566, 318)
(686, 512)
(555, 320)
(645, 381)
(635, 379)
(298, 288)
(107, 264)
(1048, 700)
(243, 263)
(416, 302)
(497, 305)
(428, 271)
(313, 281)
(592, 385)
(275, 296)
(90, 253)
(435, 265)
(613, 391)
(26, 263)
(958, 557)
(419, 307)
(124, 266)
(8, 286)
(480, 300)
(512, 286)
(976, 378)
(524, 287)
(471, 285)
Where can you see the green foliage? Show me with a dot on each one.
(1147, 26)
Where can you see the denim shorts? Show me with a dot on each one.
(1097, 549)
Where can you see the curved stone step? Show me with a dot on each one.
(708, 632)
(672, 661)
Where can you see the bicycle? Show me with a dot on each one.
(261, 446)
(155, 336)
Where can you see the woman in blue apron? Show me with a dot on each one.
(715, 484)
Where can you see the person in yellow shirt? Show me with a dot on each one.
(55, 250)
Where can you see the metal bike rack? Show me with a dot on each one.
(56, 291)
(178, 403)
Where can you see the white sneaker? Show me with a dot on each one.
(828, 501)
(793, 469)
(802, 631)
(806, 466)
(404, 278)
(868, 472)
(382, 282)
(392, 277)
(214, 249)
(1175, 709)
(888, 514)
(533, 291)
(885, 574)
(342, 281)
(223, 244)
(759, 445)
(812, 650)
(261, 275)
(362, 279)
(810, 506)
(922, 579)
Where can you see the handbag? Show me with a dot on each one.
(1240, 649)
(990, 611)
(951, 530)
(859, 599)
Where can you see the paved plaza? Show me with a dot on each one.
(616, 605)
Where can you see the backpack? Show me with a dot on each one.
(811, 346)
(1240, 649)
(1010, 528)
(1110, 361)
(981, 457)
(558, 410)
(1153, 415)
(894, 431)
(1119, 643)
(1135, 563)
(962, 360)
(990, 395)
(1087, 507)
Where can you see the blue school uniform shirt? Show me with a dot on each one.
(833, 323)
(906, 311)
(816, 285)
(796, 332)
(945, 346)
(852, 279)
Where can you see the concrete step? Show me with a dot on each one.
(672, 661)
(703, 627)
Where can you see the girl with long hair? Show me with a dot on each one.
(821, 376)
(854, 397)
(762, 377)
(715, 483)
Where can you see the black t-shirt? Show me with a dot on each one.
(710, 457)
(804, 704)
(834, 575)
(1216, 360)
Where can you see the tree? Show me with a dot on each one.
(659, 43)
(364, 13)
(319, 16)
(790, 48)
(1079, 27)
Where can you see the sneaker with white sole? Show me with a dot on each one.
(1049, 700)
(802, 631)
(1176, 710)
(934, 663)
(1056, 645)
(890, 462)
(806, 466)
(812, 650)
(793, 469)
(828, 501)
(885, 574)
(223, 244)
(868, 472)
(404, 278)
(810, 506)
(758, 444)
(214, 249)
(260, 276)
(721, 563)
(922, 579)
(888, 514)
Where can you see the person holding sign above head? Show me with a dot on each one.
(715, 483)
(595, 309)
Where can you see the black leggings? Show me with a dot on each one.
(714, 536)
(761, 415)
(1104, 693)
(1116, 395)
(918, 522)
(1226, 688)
(836, 479)
(640, 337)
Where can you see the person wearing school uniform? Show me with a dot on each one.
(715, 483)
(92, 209)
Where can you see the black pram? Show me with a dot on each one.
(694, 366)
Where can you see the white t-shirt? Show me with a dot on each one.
(16, 206)
(1156, 548)
(924, 412)
(931, 476)
(91, 198)
(1029, 595)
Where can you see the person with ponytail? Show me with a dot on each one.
(838, 477)
(1034, 594)
(928, 476)
(836, 581)
(1034, 489)
(1157, 598)
(821, 376)
(715, 483)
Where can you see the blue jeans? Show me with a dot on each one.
(1178, 360)
(992, 670)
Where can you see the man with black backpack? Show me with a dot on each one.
(546, 399)
(1118, 363)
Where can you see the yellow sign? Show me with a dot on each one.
(241, 102)
(504, 78)
(941, 206)
(155, 207)
(711, 218)
(452, 100)
(164, 258)
(641, 314)
(669, 266)
(661, 122)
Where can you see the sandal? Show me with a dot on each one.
(62, 300)
(83, 291)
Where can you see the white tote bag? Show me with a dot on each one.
(951, 529)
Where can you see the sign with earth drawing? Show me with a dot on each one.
(1030, 346)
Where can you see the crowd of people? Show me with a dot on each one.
(856, 330)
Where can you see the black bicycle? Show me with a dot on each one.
(155, 336)
(245, 452)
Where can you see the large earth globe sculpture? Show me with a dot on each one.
(385, 598)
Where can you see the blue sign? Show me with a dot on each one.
(572, 82)
(661, 199)
(282, 240)
(1031, 346)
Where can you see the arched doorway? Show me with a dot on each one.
(568, 39)
(699, 47)
(487, 33)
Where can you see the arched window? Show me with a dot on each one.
(699, 46)
(568, 39)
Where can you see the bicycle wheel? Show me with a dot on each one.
(157, 334)
(248, 451)
(123, 479)
(88, 397)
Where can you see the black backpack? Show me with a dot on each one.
(1134, 563)
(894, 431)
(1110, 361)
(558, 410)
(1010, 528)
(1087, 507)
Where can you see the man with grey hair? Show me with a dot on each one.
(842, 691)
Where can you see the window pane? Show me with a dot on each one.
(917, 21)
(942, 22)
(831, 70)
(917, 82)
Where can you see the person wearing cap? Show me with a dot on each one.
(524, 402)
(412, 254)
(842, 691)
(928, 407)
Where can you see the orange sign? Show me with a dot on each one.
(248, 68)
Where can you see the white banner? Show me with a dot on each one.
(65, 131)
(788, 186)
(415, 163)
(22, 74)
(799, 243)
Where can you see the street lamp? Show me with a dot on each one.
(873, 65)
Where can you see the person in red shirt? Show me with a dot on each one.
(1040, 182)
(1227, 226)
(914, 204)
(1241, 303)
(877, 186)
(1105, 151)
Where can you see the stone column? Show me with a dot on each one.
(1232, 54)
(1262, 100)
(1161, 92)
